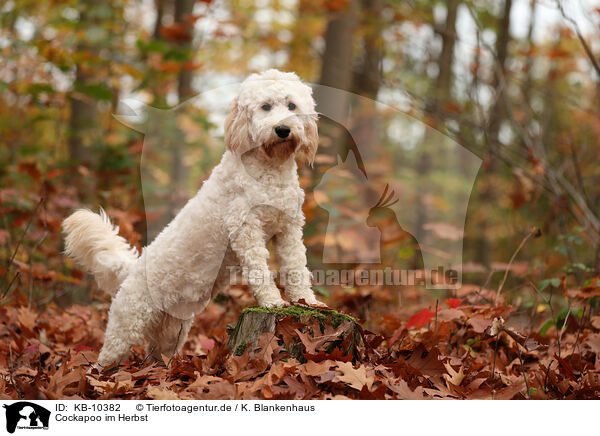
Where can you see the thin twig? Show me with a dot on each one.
(562, 330)
(582, 322)
(546, 377)
(148, 355)
(33, 215)
(547, 300)
(10, 372)
(5, 292)
(578, 171)
(8, 241)
(436, 311)
(495, 352)
(523, 372)
(176, 343)
(32, 250)
(533, 230)
(487, 282)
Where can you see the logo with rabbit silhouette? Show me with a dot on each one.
(24, 415)
(369, 231)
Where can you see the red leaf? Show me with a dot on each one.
(207, 344)
(176, 32)
(32, 348)
(453, 303)
(83, 348)
(170, 67)
(336, 5)
(30, 169)
(419, 319)
(190, 66)
(54, 173)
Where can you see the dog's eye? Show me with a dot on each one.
(266, 107)
(291, 106)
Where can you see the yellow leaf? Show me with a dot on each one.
(454, 377)
(156, 393)
(355, 377)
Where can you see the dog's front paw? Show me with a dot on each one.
(279, 302)
(309, 299)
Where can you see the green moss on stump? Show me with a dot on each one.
(251, 324)
(301, 312)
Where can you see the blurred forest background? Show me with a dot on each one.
(516, 82)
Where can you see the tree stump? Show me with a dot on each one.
(254, 321)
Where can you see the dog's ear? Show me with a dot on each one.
(237, 135)
(310, 142)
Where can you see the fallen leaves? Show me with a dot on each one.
(470, 351)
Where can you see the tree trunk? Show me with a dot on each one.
(183, 10)
(336, 72)
(254, 321)
(83, 118)
(179, 173)
(248, 329)
(160, 10)
(434, 109)
(445, 59)
(488, 194)
(497, 113)
(367, 130)
(84, 115)
(336, 68)
(368, 78)
(83, 127)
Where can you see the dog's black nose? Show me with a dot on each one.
(283, 131)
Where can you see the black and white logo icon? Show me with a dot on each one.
(26, 415)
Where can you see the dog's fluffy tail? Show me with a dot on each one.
(95, 243)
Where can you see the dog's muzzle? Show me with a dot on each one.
(283, 148)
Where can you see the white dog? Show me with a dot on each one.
(251, 197)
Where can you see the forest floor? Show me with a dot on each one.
(461, 349)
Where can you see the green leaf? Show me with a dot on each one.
(98, 91)
(157, 46)
(95, 34)
(553, 282)
(321, 291)
(546, 326)
(561, 249)
(36, 88)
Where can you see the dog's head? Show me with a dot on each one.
(274, 111)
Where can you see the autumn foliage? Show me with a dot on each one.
(525, 322)
(464, 352)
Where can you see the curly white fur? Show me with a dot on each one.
(251, 197)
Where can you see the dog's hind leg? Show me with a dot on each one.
(128, 321)
(167, 336)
